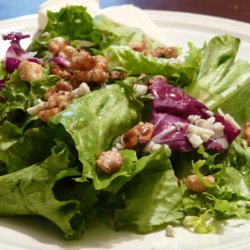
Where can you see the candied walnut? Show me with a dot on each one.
(63, 73)
(165, 52)
(117, 75)
(139, 46)
(44, 115)
(145, 131)
(83, 67)
(82, 60)
(246, 133)
(29, 71)
(194, 184)
(110, 161)
(130, 139)
(138, 135)
(56, 45)
(59, 99)
(60, 86)
(67, 52)
(95, 76)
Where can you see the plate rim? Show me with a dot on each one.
(155, 13)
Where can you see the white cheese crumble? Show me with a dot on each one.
(83, 89)
(229, 118)
(151, 147)
(140, 89)
(118, 144)
(170, 231)
(39, 105)
(195, 140)
(201, 130)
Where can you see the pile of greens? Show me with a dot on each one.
(49, 169)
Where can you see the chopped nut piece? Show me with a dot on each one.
(131, 139)
(117, 75)
(139, 46)
(29, 71)
(57, 97)
(246, 133)
(82, 60)
(44, 115)
(110, 161)
(138, 135)
(194, 184)
(56, 45)
(165, 52)
(83, 67)
(57, 70)
(60, 86)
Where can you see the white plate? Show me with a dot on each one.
(32, 233)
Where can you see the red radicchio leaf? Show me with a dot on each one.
(171, 108)
(15, 53)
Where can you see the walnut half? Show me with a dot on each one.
(138, 135)
(110, 161)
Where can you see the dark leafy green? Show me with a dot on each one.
(223, 82)
(29, 191)
(152, 198)
(72, 22)
(93, 129)
(182, 70)
(33, 147)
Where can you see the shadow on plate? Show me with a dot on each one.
(40, 231)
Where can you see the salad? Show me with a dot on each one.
(98, 120)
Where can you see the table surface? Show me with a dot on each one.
(233, 9)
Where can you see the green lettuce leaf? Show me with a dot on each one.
(238, 156)
(20, 95)
(29, 191)
(95, 120)
(228, 197)
(131, 167)
(15, 95)
(9, 134)
(152, 198)
(33, 147)
(121, 35)
(223, 82)
(71, 22)
(200, 224)
(39, 87)
(182, 70)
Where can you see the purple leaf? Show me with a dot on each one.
(171, 108)
(15, 53)
(168, 99)
(171, 130)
